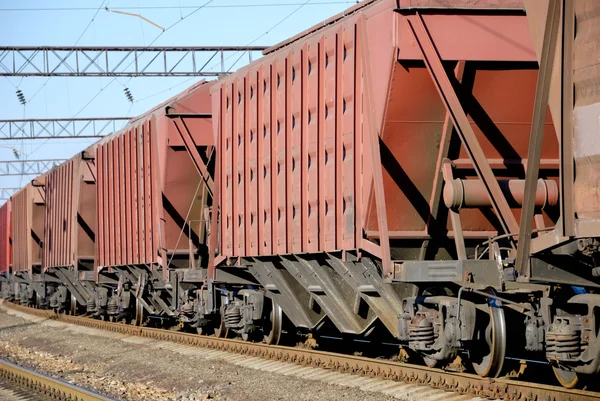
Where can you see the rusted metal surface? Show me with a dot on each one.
(5, 237)
(432, 58)
(534, 154)
(586, 79)
(70, 219)
(290, 132)
(471, 193)
(147, 184)
(567, 167)
(307, 130)
(28, 226)
(461, 4)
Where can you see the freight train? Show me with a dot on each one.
(422, 169)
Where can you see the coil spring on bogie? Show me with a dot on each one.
(54, 300)
(188, 309)
(91, 304)
(233, 316)
(560, 344)
(421, 334)
(112, 308)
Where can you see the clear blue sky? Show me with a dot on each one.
(220, 22)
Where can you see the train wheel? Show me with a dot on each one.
(139, 313)
(567, 378)
(273, 327)
(487, 355)
(73, 308)
(38, 301)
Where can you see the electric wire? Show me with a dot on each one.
(116, 78)
(301, 5)
(239, 5)
(76, 43)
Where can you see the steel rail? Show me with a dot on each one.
(48, 387)
(462, 383)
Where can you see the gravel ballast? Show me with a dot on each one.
(127, 370)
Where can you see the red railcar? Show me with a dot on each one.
(149, 186)
(335, 141)
(408, 167)
(340, 132)
(69, 232)
(28, 212)
(6, 287)
(70, 218)
(5, 238)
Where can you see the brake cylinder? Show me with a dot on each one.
(460, 194)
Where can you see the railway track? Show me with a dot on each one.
(461, 383)
(19, 383)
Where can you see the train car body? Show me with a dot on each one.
(70, 231)
(400, 160)
(28, 210)
(341, 134)
(153, 186)
(5, 250)
(425, 170)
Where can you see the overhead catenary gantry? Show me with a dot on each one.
(157, 61)
(60, 128)
(6, 193)
(27, 167)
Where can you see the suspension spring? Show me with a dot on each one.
(113, 307)
(558, 345)
(91, 304)
(233, 316)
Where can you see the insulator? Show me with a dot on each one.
(17, 155)
(21, 97)
(128, 94)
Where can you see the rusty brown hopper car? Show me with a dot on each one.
(28, 212)
(404, 145)
(419, 169)
(332, 122)
(70, 223)
(335, 141)
(5, 238)
(70, 214)
(5, 250)
(153, 186)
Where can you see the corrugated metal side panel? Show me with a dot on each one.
(21, 218)
(61, 215)
(288, 129)
(5, 238)
(128, 192)
(586, 77)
